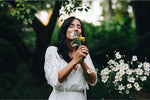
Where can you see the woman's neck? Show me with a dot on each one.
(71, 49)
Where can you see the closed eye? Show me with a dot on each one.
(79, 26)
(71, 25)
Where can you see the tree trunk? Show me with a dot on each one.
(44, 34)
(142, 17)
(111, 12)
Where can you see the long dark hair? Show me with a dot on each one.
(61, 41)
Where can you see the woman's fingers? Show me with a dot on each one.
(84, 49)
(81, 52)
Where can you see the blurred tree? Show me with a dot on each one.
(43, 38)
(24, 12)
(108, 11)
(142, 17)
(117, 10)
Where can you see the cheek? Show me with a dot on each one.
(69, 31)
(80, 32)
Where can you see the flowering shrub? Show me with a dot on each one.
(124, 78)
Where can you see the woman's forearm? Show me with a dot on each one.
(62, 74)
(91, 78)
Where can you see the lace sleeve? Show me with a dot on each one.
(51, 66)
(90, 64)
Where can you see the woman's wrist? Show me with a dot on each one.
(74, 63)
(82, 63)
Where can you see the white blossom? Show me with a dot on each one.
(138, 88)
(89, 71)
(145, 64)
(136, 84)
(146, 68)
(129, 72)
(105, 71)
(129, 86)
(120, 92)
(121, 61)
(117, 78)
(122, 72)
(118, 67)
(118, 56)
(122, 67)
(116, 63)
(111, 67)
(134, 58)
(125, 66)
(139, 71)
(127, 91)
(143, 78)
(121, 87)
(115, 69)
(146, 73)
(119, 74)
(72, 34)
(131, 79)
(111, 62)
(140, 65)
(105, 78)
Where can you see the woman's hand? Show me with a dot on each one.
(81, 53)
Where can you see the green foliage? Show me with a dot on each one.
(29, 38)
(16, 81)
(24, 11)
(55, 34)
(73, 5)
(110, 37)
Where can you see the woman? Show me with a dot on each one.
(64, 69)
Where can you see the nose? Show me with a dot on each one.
(75, 29)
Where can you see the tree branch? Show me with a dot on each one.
(54, 17)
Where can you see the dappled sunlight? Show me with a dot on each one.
(44, 16)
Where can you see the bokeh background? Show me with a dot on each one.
(28, 27)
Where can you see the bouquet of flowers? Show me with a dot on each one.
(78, 41)
(124, 78)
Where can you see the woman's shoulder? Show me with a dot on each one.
(52, 48)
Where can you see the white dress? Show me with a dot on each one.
(74, 86)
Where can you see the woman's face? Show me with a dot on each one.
(75, 26)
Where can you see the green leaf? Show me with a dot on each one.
(88, 7)
(28, 11)
(22, 16)
(13, 13)
(18, 5)
(18, 12)
(25, 20)
(30, 21)
(80, 9)
(86, 10)
(74, 9)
